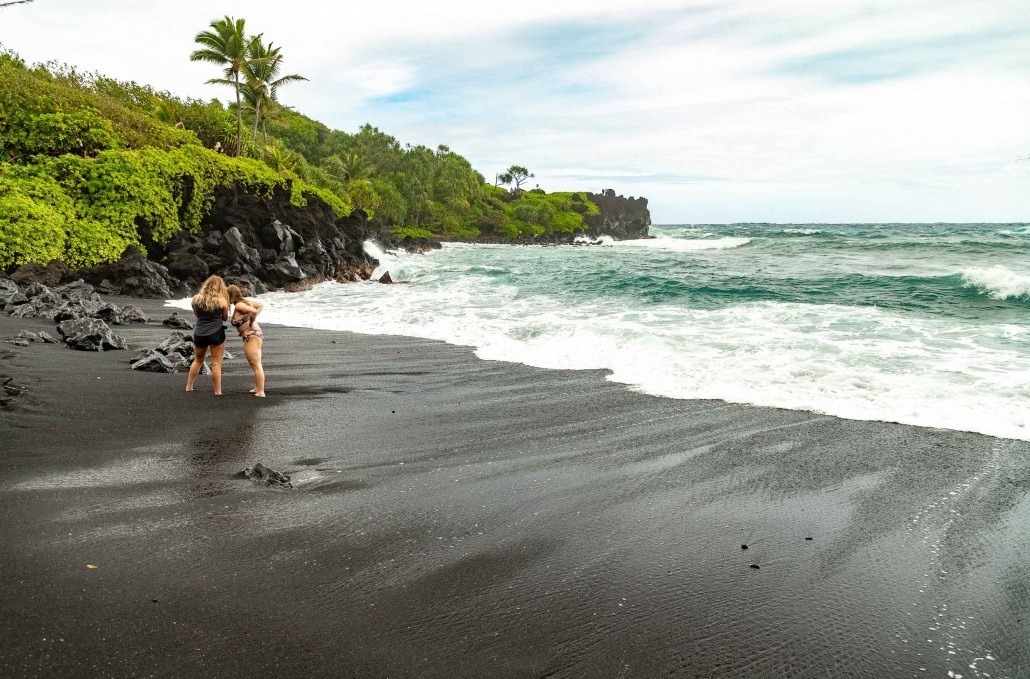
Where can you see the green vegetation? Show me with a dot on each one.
(90, 165)
(89, 169)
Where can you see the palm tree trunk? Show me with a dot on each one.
(239, 117)
(257, 117)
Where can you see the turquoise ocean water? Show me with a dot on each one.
(925, 324)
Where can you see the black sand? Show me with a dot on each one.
(460, 518)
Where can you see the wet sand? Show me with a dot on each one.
(453, 517)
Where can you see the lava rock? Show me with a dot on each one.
(136, 276)
(89, 334)
(286, 267)
(35, 308)
(37, 292)
(77, 290)
(177, 321)
(187, 265)
(753, 566)
(241, 254)
(89, 308)
(177, 344)
(385, 278)
(50, 275)
(133, 314)
(154, 362)
(18, 342)
(10, 293)
(269, 477)
(281, 238)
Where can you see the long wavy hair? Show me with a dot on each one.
(213, 295)
(235, 294)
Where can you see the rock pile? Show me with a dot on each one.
(83, 318)
(174, 354)
(71, 301)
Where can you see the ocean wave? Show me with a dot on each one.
(998, 282)
(803, 232)
(686, 244)
(857, 362)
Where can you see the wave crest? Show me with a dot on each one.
(998, 282)
(687, 244)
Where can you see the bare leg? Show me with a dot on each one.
(252, 349)
(198, 362)
(217, 353)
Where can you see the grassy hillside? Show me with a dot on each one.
(89, 165)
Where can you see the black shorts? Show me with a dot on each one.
(210, 340)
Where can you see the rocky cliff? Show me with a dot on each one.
(255, 240)
(621, 218)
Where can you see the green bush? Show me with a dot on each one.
(34, 105)
(34, 215)
(410, 232)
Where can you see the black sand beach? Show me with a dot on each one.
(459, 518)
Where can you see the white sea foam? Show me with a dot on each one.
(853, 362)
(998, 282)
(686, 244)
(803, 232)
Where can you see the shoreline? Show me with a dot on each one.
(461, 517)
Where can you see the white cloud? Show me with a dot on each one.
(743, 110)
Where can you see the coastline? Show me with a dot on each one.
(460, 517)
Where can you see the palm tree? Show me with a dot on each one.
(226, 45)
(263, 81)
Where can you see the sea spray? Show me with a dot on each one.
(999, 282)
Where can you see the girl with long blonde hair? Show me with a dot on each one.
(244, 319)
(211, 306)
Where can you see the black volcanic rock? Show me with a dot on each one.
(77, 290)
(89, 334)
(151, 361)
(133, 314)
(10, 294)
(621, 218)
(175, 320)
(49, 275)
(267, 476)
(239, 253)
(187, 265)
(134, 275)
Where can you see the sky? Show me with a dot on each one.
(715, 110)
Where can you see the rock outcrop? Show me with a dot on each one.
(258, 242)
(89, 334)
(621, 218)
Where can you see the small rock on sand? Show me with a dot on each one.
(269, 477)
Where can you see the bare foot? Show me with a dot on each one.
(254, 390)
(218, 393)
(189, 388)
(259, 395)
